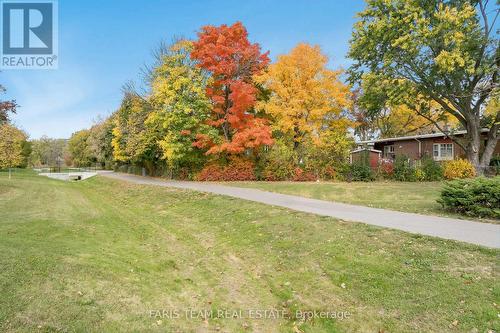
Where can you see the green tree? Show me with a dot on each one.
(79, 150)
(99, 142)
(46, 151)
(132, 143)
(26, 146)
(180, 106)
(434, 57)
(12, 145)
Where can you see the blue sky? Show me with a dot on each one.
(103, 44)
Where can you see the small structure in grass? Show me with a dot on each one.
(366, 155)
(69, 176)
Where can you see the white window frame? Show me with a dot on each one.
(389, 151)
(439, 148)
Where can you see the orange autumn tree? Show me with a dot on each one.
(308, 102)
(227, 54)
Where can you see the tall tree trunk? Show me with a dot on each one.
(474, 142)
(473, 148)
(225, 124)
(296, 137)
(489, 148)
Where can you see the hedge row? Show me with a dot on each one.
(403, 169)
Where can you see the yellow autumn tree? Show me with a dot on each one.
(400, 120)
(12, 141)
(131, 142)
(307, 100)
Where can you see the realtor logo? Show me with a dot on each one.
(29, 34)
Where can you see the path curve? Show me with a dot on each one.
(478, 233)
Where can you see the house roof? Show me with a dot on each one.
(420, 136)
(363, 149)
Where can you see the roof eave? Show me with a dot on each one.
(420, 136)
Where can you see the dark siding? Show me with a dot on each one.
(410, 147)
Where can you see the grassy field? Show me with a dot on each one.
(103, 255)
(417, 197)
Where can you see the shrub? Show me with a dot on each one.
(495, 161)
(403, 170)
(432, 169)
(386, 168)
(359, 171)
(327, 159)
(495, 165)
(420, 174)
(238, 169)
(328, 172)
(477, 197)
(269, 176)
(459, 168)
(211, 172)
(183, 174)
(278, 163)
(303, 176)
(331, 172)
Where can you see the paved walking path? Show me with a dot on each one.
(466, 231)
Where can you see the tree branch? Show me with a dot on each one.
(435, 123)
(430, 88)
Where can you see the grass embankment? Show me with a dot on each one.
(100, 255)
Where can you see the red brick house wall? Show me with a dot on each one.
(410, 147)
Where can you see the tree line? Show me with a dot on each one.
(218, 102)
(217, 105)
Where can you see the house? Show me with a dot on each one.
(437, 145)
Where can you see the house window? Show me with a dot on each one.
(389, 152)
(442, 151)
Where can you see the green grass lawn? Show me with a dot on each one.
(100, 255)
(414, 197)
